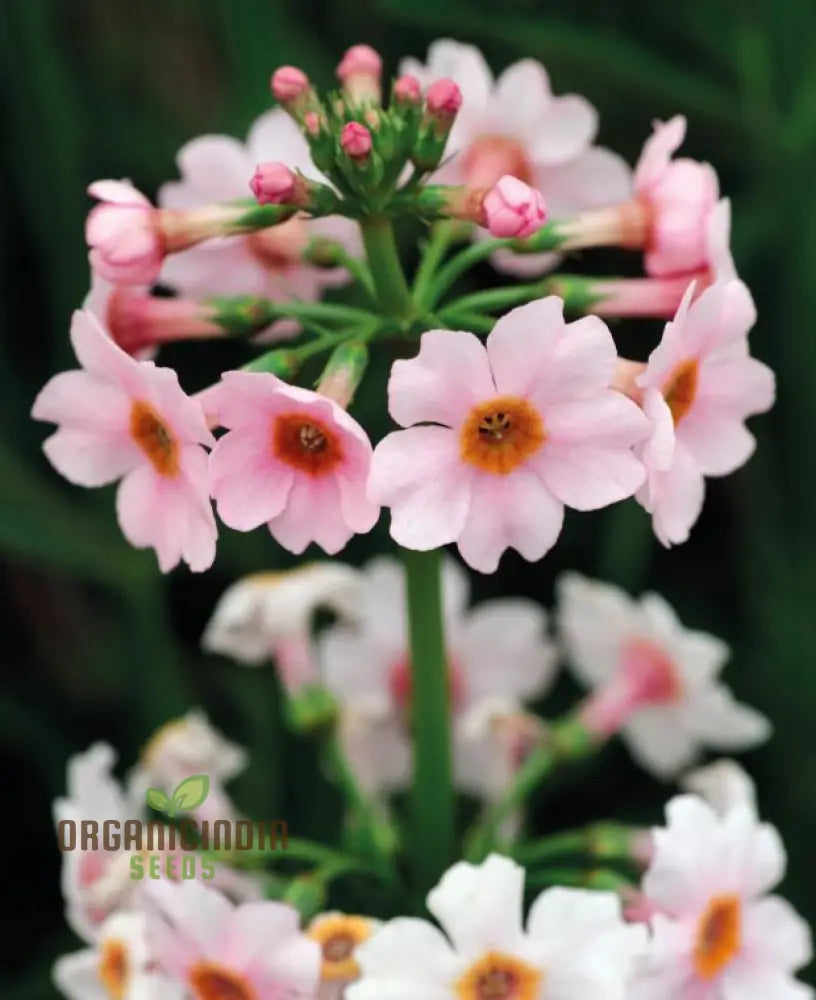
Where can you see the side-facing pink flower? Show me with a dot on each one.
(681, 195)
(124, 419)
(699, 387)
(254, 951)
(513, 209)
(516, 125)
(718, 934)
(292, 459)
(125, 240)
(268, 263)
(519, 428)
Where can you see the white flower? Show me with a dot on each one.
(723, 784)
(719, 935)
(653, 677)
(499, 656)
(94, 882)
(118, 968)
(258, 612)
(184, 747)
(575, 944)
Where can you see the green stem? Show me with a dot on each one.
(455, 319)
(500, 298)
(600, 879)
(442, 234)
(386, 270)
(604, 841)
(433, 798)
(458, 265)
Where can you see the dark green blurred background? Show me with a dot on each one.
(97, 645)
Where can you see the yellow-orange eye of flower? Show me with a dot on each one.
(339, 935)
(496, 976)
(306, 443)
(719, 936)
(501, 434)
(213, 982)
(680, 389)
(114, 968)
(155, 438)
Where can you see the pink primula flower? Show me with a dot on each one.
(681, 195)
(698, 388)
(127, 246)
(516, 125)
(269, 262)
(124, 419)
(292, 459)
(254, 951)
(518, 429)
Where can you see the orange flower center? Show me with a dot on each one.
(306, 443)
(155, 439)
(719, 936)
(491, 157)
(338, 936)
(499, 977)
(501, 434)
(114, 968)
(681, 388)
(213, 982)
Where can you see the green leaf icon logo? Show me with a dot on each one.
(157, 800)
(191, 792)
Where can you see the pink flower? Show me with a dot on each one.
(124, 419)
(272, 183)
(720, 935)
(518, 429)
(513, 209)
(516, 125)
(292, 459)
(255, 951)
(699, 387)
(126, 242)
(407, 90)
(355, 141)
(681, 195)
(288, 83)
(269, 262)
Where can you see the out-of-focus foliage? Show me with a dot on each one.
(97, 645)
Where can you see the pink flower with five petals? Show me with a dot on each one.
(518, 429)
(292, 459)
(699, 387)
(124, 419)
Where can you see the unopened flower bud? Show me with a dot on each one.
(355, 141)
(289, 84)
(124, 235)
(443, 99)
(407, 90)
(344, 372)
(513, 209)
(442, 102)
(359, 72)
(273, 184)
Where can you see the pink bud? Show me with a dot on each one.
(359, 60)
(356, 141)
(288, 84)
(444, 98)
(311, 122)
(407, 90)
(513, 209)
(273, 184)
(124, 236)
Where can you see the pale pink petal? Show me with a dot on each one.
(419, 474)
(657, 152)
(193, 912)
(597, 178)
(83, 402)
(92, 458)
(276, 137)
(565, 130)
(520, 100)
(738, 386)
(359, 513)
(250, 487)
(216, 167)
(99, 355)
(522, 344)
(720, 317)
(747, 981)
(223, 266)
(775, 934)
(312, 514)
(141, 506)
(194, 518)
(718, 242)
(443, 382)
(243, 399)
(658, 451)
(582, 364)
(722, 722)
(719, 443)
(514, 511)
(118, 193)
(406, 951)
(523, 265)
(676, 498)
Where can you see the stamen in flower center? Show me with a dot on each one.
(155, 438)
(305, 443)
(496, 976)
(681, 388)
(213, 982)
(719, 936)
(114, 968)
(491, 157)
(338, 936)
(501, 434)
